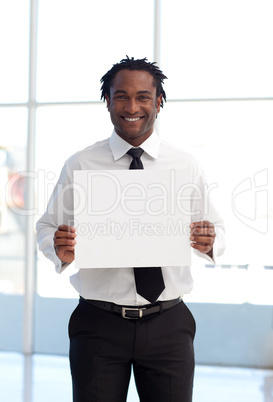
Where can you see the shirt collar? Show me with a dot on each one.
(120, 147)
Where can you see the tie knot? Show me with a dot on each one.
(135, 152)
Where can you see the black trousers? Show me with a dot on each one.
(104, 347)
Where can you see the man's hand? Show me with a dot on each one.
(203, 236)
(64, 243)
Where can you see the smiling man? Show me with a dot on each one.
(133, 105)
(131, 317)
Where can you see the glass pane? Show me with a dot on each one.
(84, 40)
(13, 129)
(62, 131)
(14, 50)
(13, 126)
(231, 140)
(217, 49)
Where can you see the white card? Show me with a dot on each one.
(132, 218)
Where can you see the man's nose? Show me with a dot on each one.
(132, 106)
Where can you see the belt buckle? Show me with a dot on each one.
(124, 309)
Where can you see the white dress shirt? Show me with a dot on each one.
(117, 285)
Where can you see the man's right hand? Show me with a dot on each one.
(64, 243)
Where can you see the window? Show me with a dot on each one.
(71, 62)
(79, 42)
(220, 104)
(14, 33)
(217, 49)
(13, 125)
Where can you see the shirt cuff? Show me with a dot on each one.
(206, 256)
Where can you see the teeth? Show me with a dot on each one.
(132, 119)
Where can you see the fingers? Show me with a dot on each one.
(64, 239)
(202, 225)
(65, 242)
(202, 236)
(64, 232)
(65, 229)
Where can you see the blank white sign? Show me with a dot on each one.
(132, 218)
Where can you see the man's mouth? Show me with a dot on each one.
(131, 119)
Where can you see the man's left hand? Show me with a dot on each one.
(203, 236)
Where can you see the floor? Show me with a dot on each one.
(40, 377)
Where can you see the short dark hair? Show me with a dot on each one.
(132, 64)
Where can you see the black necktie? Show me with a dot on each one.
(149, 281)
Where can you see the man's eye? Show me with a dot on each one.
(143, 97)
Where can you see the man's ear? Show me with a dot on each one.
(107, 101)
(158, 103)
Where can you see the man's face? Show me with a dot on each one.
(133, 105)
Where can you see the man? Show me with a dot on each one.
(115, 327)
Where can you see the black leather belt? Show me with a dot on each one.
(133, 312)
